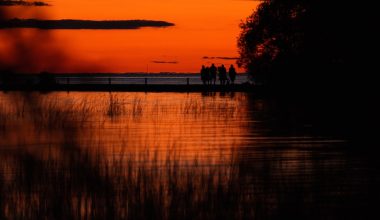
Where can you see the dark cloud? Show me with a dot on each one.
(220, 58)
(22, 3)
(37, 51)
(162, 62)
(82, 24)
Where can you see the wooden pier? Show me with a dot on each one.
(143, 84)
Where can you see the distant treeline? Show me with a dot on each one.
(82, 24)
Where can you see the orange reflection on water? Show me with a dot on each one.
(193, 125)
(173, 151)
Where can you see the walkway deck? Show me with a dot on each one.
(120, 87)
(50, 82)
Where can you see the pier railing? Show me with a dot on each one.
(114, 83)
(129, 80)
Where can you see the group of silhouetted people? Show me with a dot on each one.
(208, 75)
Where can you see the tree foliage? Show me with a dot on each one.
(304, 43)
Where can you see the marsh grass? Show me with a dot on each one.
(77, 182)
(199, 108)
(69, 178)
(84, 185)
(115, 107)
(49, 111)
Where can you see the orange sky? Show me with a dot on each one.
(202, 28)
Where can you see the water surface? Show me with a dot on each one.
(174, 155)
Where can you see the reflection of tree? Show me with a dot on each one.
(303, 173)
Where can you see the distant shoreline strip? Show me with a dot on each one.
(82, 24)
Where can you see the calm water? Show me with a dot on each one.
(174, 156)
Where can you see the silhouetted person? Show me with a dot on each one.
(207, 75)
(203, 75)
(219, 71)
(213, 73)
(222, 74)
(232, 73)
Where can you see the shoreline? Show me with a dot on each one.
(127, 88)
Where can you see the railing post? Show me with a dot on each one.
(188, 81)
(146, 81)
(109, 80)
(68, 81)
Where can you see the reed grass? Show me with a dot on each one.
(72, 179)
(87, 186)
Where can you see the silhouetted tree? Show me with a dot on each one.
(322, 52)
(305, 43)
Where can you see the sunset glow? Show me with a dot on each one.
(202, 29)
